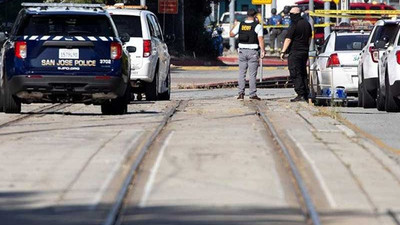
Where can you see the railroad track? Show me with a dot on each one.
(35, 112)
(116, 210)
(309, 209)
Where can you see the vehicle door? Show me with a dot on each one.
(322, 72)
(155, 42)
(162, 49)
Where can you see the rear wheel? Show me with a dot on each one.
(391, 102)
(367, 100)
(151, 89)
(117, 106)
(360, 95)
(380, 99)
(11, 104)
(167, 94)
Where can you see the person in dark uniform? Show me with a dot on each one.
(251, 42)
(297, 43)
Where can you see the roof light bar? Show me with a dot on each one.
(28, 4)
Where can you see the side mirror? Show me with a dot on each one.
(125, 37)
(131, 49)
(357, 46)
(380, 44)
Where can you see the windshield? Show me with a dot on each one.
(66, 25)
(350, 42)
(128, 24)
(239, 17)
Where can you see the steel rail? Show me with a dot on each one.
(29, 114)
(313, 214)
(112, 217)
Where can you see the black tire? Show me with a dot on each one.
(360, 95)
(166, 96)
(151, 89)
(367, 100)
(11, 104)
(380, 98)
(391, 103)
(118, 106)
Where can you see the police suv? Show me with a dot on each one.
(65, 53)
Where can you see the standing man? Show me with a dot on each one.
(251, 40)
(297, 43)
(275, 32)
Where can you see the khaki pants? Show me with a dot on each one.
(248, 59)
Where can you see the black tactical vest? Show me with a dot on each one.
(247, 33)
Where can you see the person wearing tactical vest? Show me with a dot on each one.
(251, 43)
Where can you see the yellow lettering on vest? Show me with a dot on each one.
(246, 28)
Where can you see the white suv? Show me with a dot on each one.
(150, 59)
(384, 30)
(389, 75)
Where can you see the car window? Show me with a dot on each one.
(239, 17)
(156, 27)
(66, 25)
(128, 24)
(345, 42)
(388, 8)
(151, 27)
(388, 31)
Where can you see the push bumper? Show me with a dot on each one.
(101, 86)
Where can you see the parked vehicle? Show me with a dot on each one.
(388, 91)
(335, 67)
(150, 59)
(240, 16)
(368, 73)
(65, 53)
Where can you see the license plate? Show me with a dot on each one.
(64, 53)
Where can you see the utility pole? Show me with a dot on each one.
(273, 5)
(262, 25)
(327, 29)
(311, 20)
(345, 6)
(231, 22)
(312, 44)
